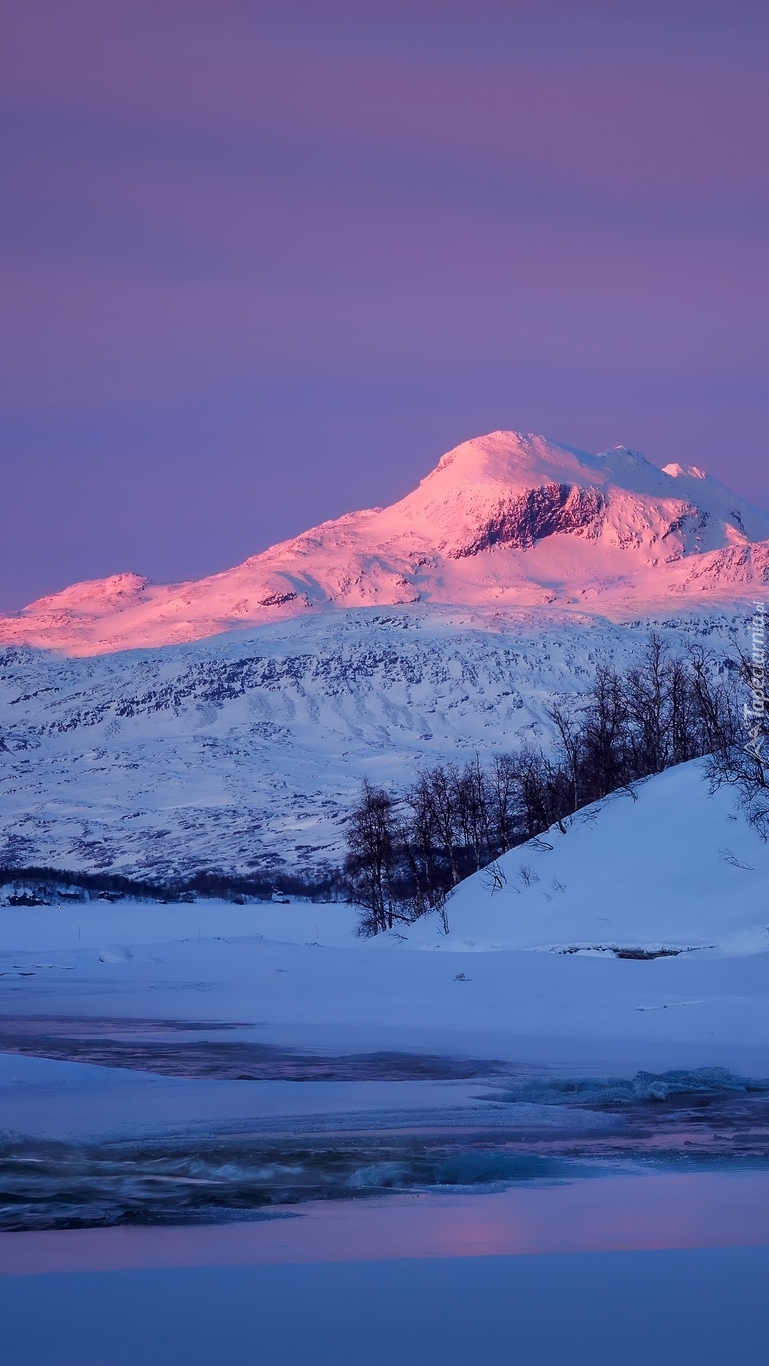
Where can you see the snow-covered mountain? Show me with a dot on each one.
(506, 520)
(225, 725)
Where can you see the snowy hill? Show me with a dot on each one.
(666, 871)
(244, 753)
(505, 520)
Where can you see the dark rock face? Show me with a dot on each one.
(535, 514)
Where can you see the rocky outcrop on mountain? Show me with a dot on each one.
(547, 511)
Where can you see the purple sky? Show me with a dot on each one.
(261, 263)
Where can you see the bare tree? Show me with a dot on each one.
(370, 865)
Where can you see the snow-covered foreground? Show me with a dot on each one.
(578, 1012)
(669, 878)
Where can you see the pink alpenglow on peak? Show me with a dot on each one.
(693, 471)
(505, 520)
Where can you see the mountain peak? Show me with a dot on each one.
(508, 519)
(507, 457)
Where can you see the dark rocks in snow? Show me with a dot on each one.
(535, 514)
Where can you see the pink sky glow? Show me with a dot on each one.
(262, 263)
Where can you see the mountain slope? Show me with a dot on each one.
(244, 753)
(668, 867)
(505, 520)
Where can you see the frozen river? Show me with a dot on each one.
(240, 1134)
(662, 1267)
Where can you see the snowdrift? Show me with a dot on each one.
(663, 871)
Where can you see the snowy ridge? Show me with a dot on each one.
(243, 753)
(505, 520)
